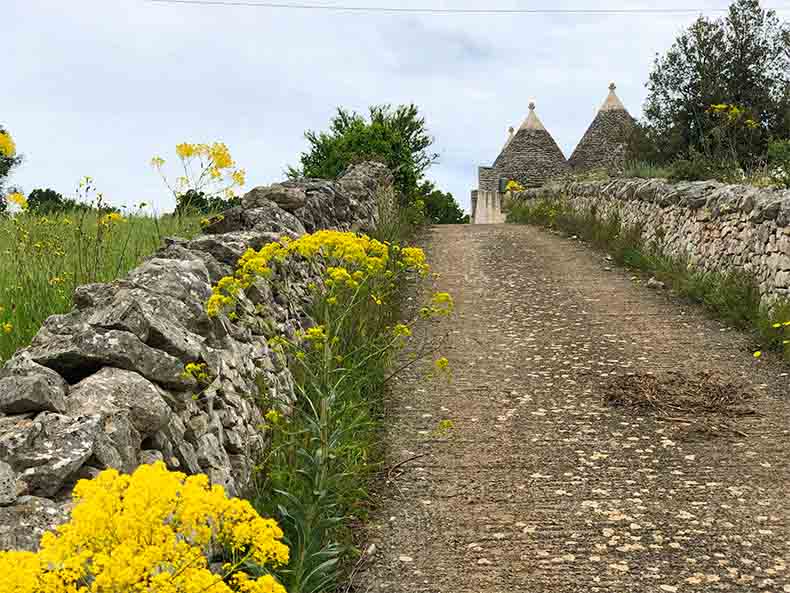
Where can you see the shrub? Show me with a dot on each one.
(48, 201)
(698, 167)
(779, 162)
(154, 530)
(398, 137)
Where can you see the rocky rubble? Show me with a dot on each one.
(715, 226)
(104, 386)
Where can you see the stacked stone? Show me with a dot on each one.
(715, 227)
(104, 386)
(486, 179)
(530, 156)
(603, 146)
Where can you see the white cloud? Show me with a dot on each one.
(96, 88)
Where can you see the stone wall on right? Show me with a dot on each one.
(716, 227)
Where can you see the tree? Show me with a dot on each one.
(398, 138)
(440, 207)
(742, 60)
(197, 202)
(46, 201)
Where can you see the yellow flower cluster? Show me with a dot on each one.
(414, 258)
(111, 218)
(273, 416)
(316, 335)
(401, 330)
(154, 531)
(514, 186)
(442, 305)
(733, 113)
(353, 258)
(7, 146)
(18, 199)
(7, 328)
(197, 371)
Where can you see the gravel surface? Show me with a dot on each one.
(541, 485)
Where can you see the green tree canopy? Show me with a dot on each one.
(396, 137)
(440, 207)
(46, 201)
(742, 60)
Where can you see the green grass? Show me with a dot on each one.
(733, 297)
(645, 170)
(43, 258)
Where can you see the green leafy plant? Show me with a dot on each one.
(779, 162)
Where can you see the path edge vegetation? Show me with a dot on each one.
(733, 297)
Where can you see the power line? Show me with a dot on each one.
(460, 11)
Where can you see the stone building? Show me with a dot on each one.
(531, 157)
(603, 145)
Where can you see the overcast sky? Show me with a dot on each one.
(97, 87)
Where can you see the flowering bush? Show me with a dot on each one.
(322, 449)
(210, 177)
(514, 186)
(154, 531)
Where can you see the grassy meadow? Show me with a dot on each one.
(43, 258)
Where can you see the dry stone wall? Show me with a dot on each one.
(104, 385)
(716, 227)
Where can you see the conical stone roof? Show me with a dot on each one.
(603, 145)
(530, 156)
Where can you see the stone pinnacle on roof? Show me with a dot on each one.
(532, 122)
(511, 131)
(612, 102)
(603, 144)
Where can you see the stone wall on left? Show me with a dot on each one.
(104, 385)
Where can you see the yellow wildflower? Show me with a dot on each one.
(153, 530)
(442, 364)
(18, 199)
(185, 150)
(7, 145)
(7, 328)
(758, 354)
(239, 177)
(273, 416)
(197, 371)
(220, 155)
(401, 330)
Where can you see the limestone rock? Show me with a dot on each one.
(23, 524)
(288, 198)
(8, 487)
(47, 449)
(32, 393)
(111, 390)
(76, 354)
